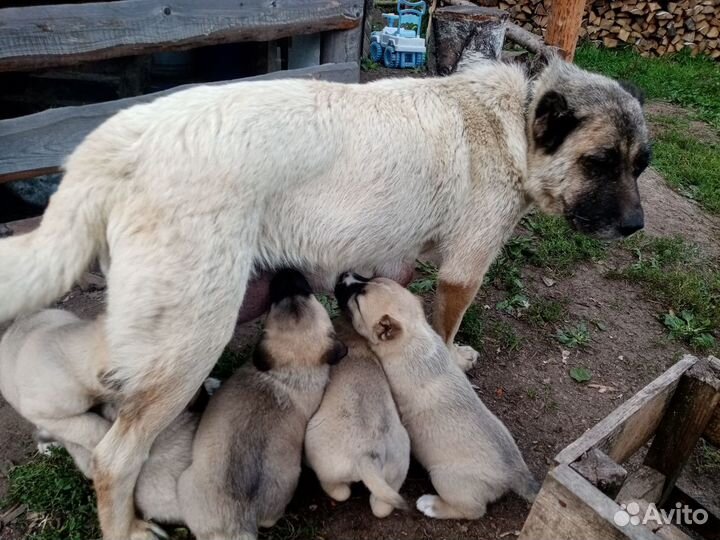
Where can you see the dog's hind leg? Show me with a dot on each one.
(435, 506)
(84, 430)
(174, 297)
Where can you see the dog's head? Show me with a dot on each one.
(297, 331)
(588, 143)
(382, 311)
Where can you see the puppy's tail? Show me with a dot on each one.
(37, 267)
(526, 485)
(373, 478)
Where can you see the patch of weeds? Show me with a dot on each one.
(686, 327)
(230, 361)
(291, 527)
(708, 460)
(505, 335)
(472, 327)
(514, 305)
(675, 273)
(532, 393)
(330, 304)
(544, 311)
(427, 281)
(368, 64)
(557, 246)
(574, 336)
(57, 494)
(580, 374)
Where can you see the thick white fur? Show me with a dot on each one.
(182, 197)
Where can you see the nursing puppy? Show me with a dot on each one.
(356, 434)
(248, 447)
(470, 455)
(182, 198)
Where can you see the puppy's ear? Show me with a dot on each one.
(337, 352)
(261, 359)
(387, 328)
(633, 90)
(554, 121)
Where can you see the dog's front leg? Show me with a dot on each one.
(451, 302)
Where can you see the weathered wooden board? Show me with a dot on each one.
(629, 426)
(568, 507)
(54, 35)
(38, 143)
(564, 24)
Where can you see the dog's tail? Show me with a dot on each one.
(37, 267)
(374, 480)
(526, 485)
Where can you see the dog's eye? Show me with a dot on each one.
(641, 162)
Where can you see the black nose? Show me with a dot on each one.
(632, 222)
(348, 285)
(288, 282)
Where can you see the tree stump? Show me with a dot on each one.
(464, 35)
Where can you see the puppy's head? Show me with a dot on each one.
(588, 143)
(381, 310)
(297, 331)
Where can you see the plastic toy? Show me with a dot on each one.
(399, 44)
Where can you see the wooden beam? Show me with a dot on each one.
(568, 507)
(627, 428)
(564, 26)
(55, 35)
(689, 413)
(38, 143)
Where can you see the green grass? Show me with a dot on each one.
(472, 328)
(544, 311)
(675, 273)
(690, 82)
(690, 165)
(330, 304)
(557, 246)
(577, 336)
(708, 460)
(59, 499)
(427, 279)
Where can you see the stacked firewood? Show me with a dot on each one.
(654, 28)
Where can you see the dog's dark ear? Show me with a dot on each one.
(554, 121)
(387, 328)
(261, 359)
(633, 90)
(337, 352)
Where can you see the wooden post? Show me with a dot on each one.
(686, 418)
(564, 26)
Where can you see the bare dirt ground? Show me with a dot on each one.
(527, 385)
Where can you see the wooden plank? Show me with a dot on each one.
(564, 26)
(689, 412)
(55, 35)
(644, 483)
(629, 426)
(568, 507)
(341, 46)
(38, 143)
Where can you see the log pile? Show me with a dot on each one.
(655, 28)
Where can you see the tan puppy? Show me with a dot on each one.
(356, 434)
(470, 455)
(248, 447)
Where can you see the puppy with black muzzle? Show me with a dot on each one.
(356, 434)
(248, 447)
(470, 455)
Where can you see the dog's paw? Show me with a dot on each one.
(426, 504)
(147, 530)
(465, 356)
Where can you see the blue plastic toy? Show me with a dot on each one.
(399, 44)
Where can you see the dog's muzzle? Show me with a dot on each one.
(287, 283)
(348, 285)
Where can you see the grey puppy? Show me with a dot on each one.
(470, 455)
(248, 448)
(356, 434)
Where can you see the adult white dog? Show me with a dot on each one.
(183, 197)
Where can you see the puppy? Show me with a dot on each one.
(183, 198)
(470, 455)
(356, 434)
(248, 448)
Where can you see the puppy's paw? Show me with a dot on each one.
(465, 356)
(212, 385)
(426, 504)
(147, 530)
